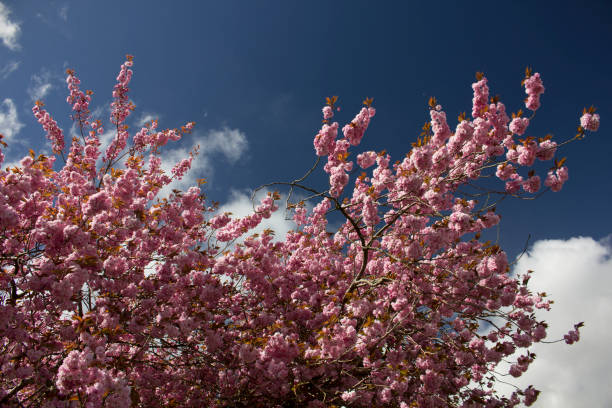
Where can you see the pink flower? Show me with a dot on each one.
(532, 184)
(54, 133)
(328, 113)
(555, 179)
(369, 213)
(78, 99)
(572, 336)
(121, 107)
(533, 88)
(519, 125)
(481, 98)
(546, 150)
(590, 121)
(513, 186)
(526, 153)
(97, 203)
(337, 181)
(531, 395)
(539, 333)
(439, 126)
(422, 158)
(324, 141)
(504, 171)
(354, 130)
(349, 396)
(115, 266)
(366, 159)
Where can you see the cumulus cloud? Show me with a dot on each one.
(8, 69)
(40, 85)
(230, 143)
(240, 205)
(9, 30)
(577, 274)
(9, 121)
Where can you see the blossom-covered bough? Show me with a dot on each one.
(402, 306)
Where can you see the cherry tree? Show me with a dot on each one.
(112, 295)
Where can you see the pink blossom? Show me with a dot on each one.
(519, 125)
(533, 88)
(337, 181)
(531, 395)
(422, 158)
(54, 133)
(366, 159)
(369, 214)
(555, 179)
(505, 171)
(527, 153)
(481, 97)
(325, 140)
(97, 203)
(514, 184)
(532, 184)
(590, 121)
(439, 126)
(572, 336)
(546, 150)
(355, 130)
(328, 113)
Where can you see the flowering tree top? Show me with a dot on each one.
(114, 296)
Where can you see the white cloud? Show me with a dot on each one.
(40, 85)
(63, 12)
(106, 138)
(98, 111)
(9, 68)
(145, 118)
(9, 30)
(9, 122)
(10, 164)
(240, 205)
(577, 275)
(231, 143)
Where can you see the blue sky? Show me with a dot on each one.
(253, 75)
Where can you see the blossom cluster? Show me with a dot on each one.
(54, 133)
(78, 99)
(325, 144)
(533, 88)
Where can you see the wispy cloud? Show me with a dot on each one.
(63, 12)
(9, 122)
(40, 85)
(8, 69)
(146, 117)
(577, 274)
(9, 30)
